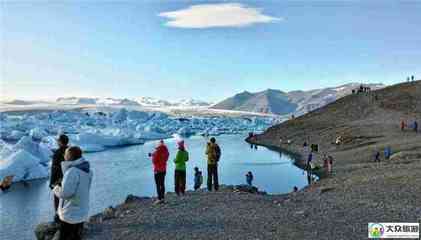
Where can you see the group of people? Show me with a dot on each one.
(387, 154)
(327, 159)
(71, 178)
(160, 158)
(412, 78)
(70, 182)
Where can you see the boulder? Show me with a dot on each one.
(46, 231)
(132, 198)
(246, 188)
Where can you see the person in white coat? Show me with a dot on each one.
(73, 194)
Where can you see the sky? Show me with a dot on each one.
(204, 50)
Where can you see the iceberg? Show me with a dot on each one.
(23, 166)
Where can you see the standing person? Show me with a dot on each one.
(309, 159)
(403, 124)
(387, 152)
(249, 178)
(377, 157)
(214, 154)
(325, 163)
(198, 178)
(330, 164)
(56, 172)
(73, 194)
(180, 168)
(159, 159)
(415, 126)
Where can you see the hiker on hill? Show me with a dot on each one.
(415, 126)
(377, 157)
(159, 159)
(198, 178)
(309, 159)
(403, 125)
(213, 151)
(330, 164)
(73, 193)
(180, 169)
(387, 152)
(249, 178)
(56, 172)
(325, 163)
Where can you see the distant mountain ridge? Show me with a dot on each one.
(295, 102)
(140, 101)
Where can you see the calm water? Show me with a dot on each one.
(123, 171)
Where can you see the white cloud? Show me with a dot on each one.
(216, 15)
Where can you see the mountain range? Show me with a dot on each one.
(270, 101)
(295, 102)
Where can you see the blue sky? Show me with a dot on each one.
(209, 51)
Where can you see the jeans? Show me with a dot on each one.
(160, 184)
(213, 176)
(70, 231)
(180, 181)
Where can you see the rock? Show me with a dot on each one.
(108, 213)
(302, 212)
(326, 189)
(46, 231)
(246, 188)
(132, 198)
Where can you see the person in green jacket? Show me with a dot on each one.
(180, 169)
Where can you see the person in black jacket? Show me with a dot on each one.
(56, 171)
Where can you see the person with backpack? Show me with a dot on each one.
(159, 159)
(198, 178)
(56, 172)
(213, 151)
(180, 160)
(73, 193)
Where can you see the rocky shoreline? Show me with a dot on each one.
(339, 206)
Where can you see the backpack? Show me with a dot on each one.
(217, 152)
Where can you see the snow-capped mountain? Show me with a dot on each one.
(153, 102)
(294, 102)
(192, 103)
(76, 100)
(140, 101)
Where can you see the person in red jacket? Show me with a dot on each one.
(159, 159)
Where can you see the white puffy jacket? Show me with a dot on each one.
(74, 191)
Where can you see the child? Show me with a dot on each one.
(249, 178)
(73, 194)
(198, 178)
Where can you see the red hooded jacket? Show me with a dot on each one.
(160, 158)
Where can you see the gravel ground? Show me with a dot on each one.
(339, 206)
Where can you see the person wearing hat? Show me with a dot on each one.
(159, 159)
(73, 193)
(56, 171)
(180, 160)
